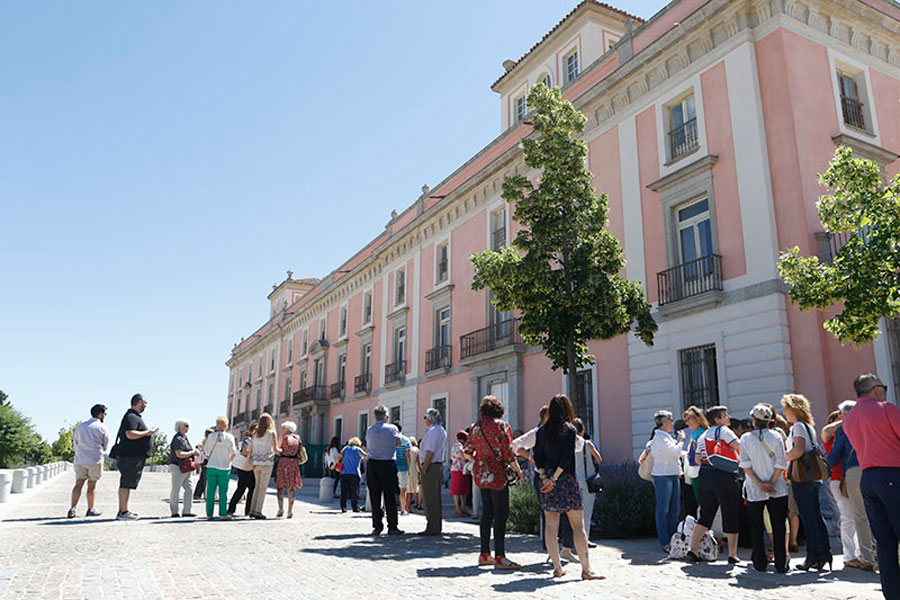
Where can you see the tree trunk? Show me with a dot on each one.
(572, 371)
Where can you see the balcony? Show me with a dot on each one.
(254, 414)
(395, 372)
(700, 280)
(268, 409)
(313, 393)
(683, 139)
(437, 358)
(239, 418)
(285, 407)
(853, 112)
(504, 333)
(362, 384)
(337, 391)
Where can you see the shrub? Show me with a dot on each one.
(524, 509)
(626, 506)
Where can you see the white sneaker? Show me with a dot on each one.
(403, 513)
(127, 516)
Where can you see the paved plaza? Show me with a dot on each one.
(322, 553)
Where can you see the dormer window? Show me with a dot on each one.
(571, 66)
(546, 80)
(521, 108)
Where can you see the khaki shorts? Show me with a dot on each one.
(89, 472)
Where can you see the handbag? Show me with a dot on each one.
(338, 466)
(302, 456)
(188, 464)
(512, 477)
(645, 469)
(810, 467)
(593, 482)
(114, 451)
(721, 455)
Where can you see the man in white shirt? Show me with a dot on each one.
(90, 440)
(431, 454)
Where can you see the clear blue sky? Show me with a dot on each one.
(163, 163)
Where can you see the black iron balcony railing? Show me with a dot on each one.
(285, 407)
(254, 414)
(337, 390)
(297, 398)
(362, 383)
(437, 358)
(690, 279)
(853, 112)
(268, 409)
(239, 418)
(490, 338)
(683, 139)
(498, 239)
(394, 372)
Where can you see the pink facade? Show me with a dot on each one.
(707, 126)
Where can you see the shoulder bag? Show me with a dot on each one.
(594, 482)
(812, 466)
(645, 469)
(721, 455)
(512, 478)
(114, 451)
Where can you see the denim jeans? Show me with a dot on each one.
(667, 506)
(881, 493)
(807, 497)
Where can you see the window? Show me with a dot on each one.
(683, 136)
(583, 400)
(339, 428)
(399, 287)
(851, 100)
(304, 343)
(694, 232)
(342, 323)
(290, 352)
(342, 368)
(546, 80)
(699, 377)
(322, 328)
(366, 367)
(443, 327)
(893, 339)
(367, 308)
(272, 360)
(571, 66)
(270, 396)
(287, 388)
(258, 398)
(363, 426)
(259, 372)
(610, 42)
(395, 414)
(442, 263)
(521, 108)
(303, 380)
(400, 344)
(498, 229)
(319, 372)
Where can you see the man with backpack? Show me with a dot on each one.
(133, 446)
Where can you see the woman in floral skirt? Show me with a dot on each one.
(554, 456)
(287, 477)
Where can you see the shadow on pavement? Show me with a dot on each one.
(410, 545)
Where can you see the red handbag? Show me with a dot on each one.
(187, 465)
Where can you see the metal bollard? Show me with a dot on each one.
(19, 478)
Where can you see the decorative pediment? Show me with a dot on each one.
(319, 347)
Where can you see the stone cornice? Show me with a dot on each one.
(685, 172)
(866, 149)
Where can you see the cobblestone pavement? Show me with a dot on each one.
(322, 553)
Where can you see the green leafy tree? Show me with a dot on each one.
(64, 446)
(16, 437)
(4, 398)
(160, 449)
(864, 276)
(562, 271)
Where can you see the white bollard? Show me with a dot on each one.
(19, 479)
(38, 475)
(325, 489)
(5, 484)
(45, 471)
(31, 474)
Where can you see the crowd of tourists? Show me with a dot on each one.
(771, 468)
(708, 471)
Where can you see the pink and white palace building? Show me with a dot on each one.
(707, 126)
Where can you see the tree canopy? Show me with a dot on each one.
(563, 269)
(863, 278)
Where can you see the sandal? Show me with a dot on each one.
(590, 575)
(484, 560)
(501, 562)
(558, 573)
(854, 563)
(867, 566)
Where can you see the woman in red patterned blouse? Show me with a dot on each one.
(490, 445)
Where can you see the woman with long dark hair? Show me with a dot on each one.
(554, 456)
(330, 458)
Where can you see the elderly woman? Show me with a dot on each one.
(351, 458)
(490, 444)
(180, 450)
(287, 476)
(666, 453)
(802, 439)
(718, 488)
(219, 449)
(763, 460)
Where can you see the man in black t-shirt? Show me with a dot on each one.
(134, 446)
